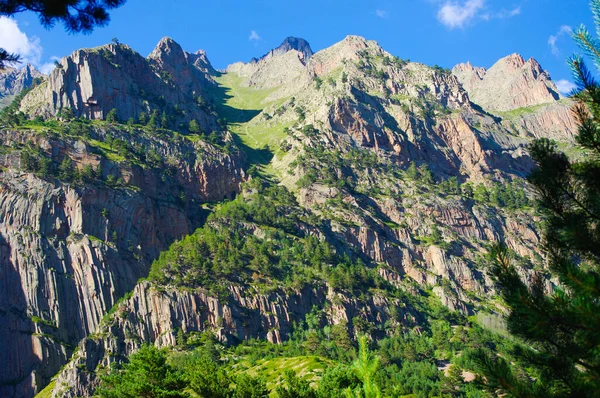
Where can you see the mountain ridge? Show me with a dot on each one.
(386, 161)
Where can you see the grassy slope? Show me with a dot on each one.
(47, 392)
(308, 368)
(241, 106)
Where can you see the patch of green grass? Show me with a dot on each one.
(234, 98)
(242, 106)
(106, 151)
(259, 135)
(308, 368)
(527, 110)
(47, 391)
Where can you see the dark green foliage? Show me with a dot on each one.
(147, 374)
(301, 114)
(335, 380)
(194, 127)
(208, 379)
(111, 116)
(249, 387)
(154, 121)
(224, 251)
(318, 82)
(510, 195)
(562, 354)
(87, 173)
(34, 160)
(66, 171)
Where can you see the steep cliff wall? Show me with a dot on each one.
(156, 316)
(69, 251)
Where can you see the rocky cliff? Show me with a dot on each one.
(159, 316)
(91, 82)
(13, 81)
(71, 250)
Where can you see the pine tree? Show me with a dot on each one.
(111, 116)
(147, 374)
(365, 368)
(164, 120)
(560, 356)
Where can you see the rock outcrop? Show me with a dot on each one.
(290, 43)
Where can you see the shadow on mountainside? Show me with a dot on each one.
(219, 97)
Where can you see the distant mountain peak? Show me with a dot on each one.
(167, 47)
(13, 81)
(290, 43)
(511, 83)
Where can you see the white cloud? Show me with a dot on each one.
(458, 14)
(554, 38)
(253, 36)
(48, 67)
(13, 40)
(381, 13)
(509, 13)
(565, 86)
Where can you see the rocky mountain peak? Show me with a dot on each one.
(295, 43)
(93, 81)
(289, 44)
(510, 83)
(167, 47)
(514, 60)
(13, 80)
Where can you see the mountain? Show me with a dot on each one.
(91, 82)
(509, 84)
(348, 180)
(13, 81)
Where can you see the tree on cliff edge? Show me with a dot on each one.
(76, 16)
(560, 331)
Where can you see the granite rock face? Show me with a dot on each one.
(159, 316)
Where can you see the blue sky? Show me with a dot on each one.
(443, 32)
